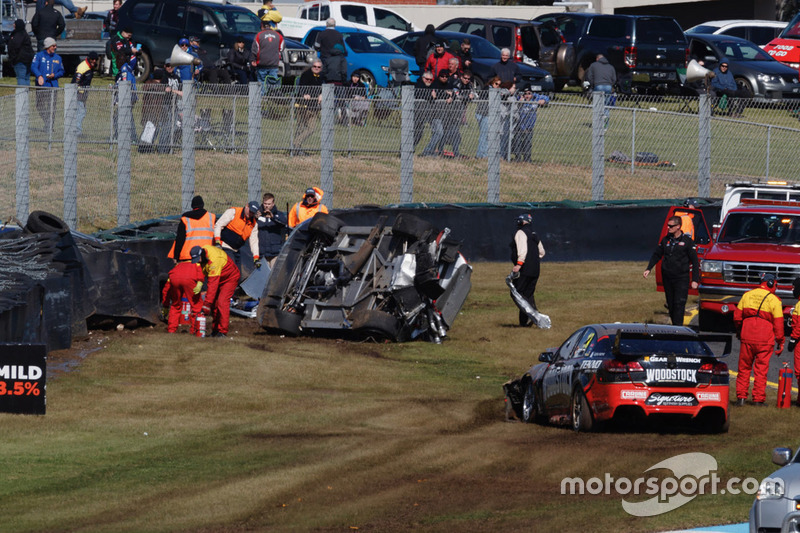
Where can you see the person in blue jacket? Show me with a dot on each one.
(724, 84)
(528, 106)
(47, 67)
(187, 72)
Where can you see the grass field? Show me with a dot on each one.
(158, 432)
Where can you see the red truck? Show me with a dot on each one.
(759, 233)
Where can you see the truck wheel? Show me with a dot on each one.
(565, 59)
(144, 67)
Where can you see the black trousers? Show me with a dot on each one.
(526, 286)
(676, 291)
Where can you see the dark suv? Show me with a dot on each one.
(530, 42)
(159, 24)
(645, 50)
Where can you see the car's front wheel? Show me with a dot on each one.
(580, 413)
(530, 411)
(369, 80)
(144, 67)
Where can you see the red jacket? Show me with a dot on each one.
(435, 64)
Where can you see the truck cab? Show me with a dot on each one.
(376, 19)
(759, 233)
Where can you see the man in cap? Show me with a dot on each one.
(678, 256)
(527, 110)
(307, 207)
(439, 60)
(196, 228)
(266, 53)
(83, 79)
(223, 278)
(759, 319)
(526, 254)
(236, 226)
(47, 67)
(46, 22)
(330, 45)
(186, 72)
(184, 283)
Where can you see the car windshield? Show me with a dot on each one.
(636, 346)
(480, 48)
(737, 51)
(238, 22)
(761, 227)
(362, 43)
(702, 28)
(792, 30)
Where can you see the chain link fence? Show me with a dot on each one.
(109, 155)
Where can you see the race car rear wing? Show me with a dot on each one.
(627, 343)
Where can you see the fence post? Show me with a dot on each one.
(23, 166)
(704, 147)
(254, 141)
(598, 145)
(633, 140)
(124, 134)
(187, 144)
(71, 155)
(493, 171)
(327, 114)
(769, 142)
(407, 144)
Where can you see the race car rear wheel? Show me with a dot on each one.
(288, 322)
(579, 409)
(376, 325)
(530, 411)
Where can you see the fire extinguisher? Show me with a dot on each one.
(201, 325)
(785, 379)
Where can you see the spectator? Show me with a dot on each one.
(358, 106)
(237, 226)
(112, 18)
(83, 79)
(601, 76)
(272, 225)
(507, 90)
(208, 70)
(158, 106)
(186, 72)
(20, 53)
(482, 116)
(464, 54)
(119, 49)
(454, 69)
(423, 45)
(330, 45)
(68, 5)
(239, 60)
(506, 69)
(527, 252)
(310, 92)
(196, 228)
(307, 207)
(185, 282)
(724, 84)
(270, 14)
(47, 67)
(46, 22)
(463, 93)
(426, 112)
(527, 109)
(223, 278)
(439, 60)
(125, 58)
(266, 56)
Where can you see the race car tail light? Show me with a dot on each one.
(716, 369)
(518, 54)
(612, 365)
(629, 56)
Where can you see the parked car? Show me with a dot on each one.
(757, 31)
(531, 42)
(159, 24)
(397, 281)
(776, 500)
(368, 54)
(754, 70)
(367, 17)
(484, 56)
(607, 371)
(647, 51)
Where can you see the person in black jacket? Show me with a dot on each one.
(526, 254)
(271, 229)
(309, 88)
(238, 60)
(677, 254)
(330, 45)
(20, 52)
(424, 44)
(47, 22)
(427, 111)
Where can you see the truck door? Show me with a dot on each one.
(694, 224)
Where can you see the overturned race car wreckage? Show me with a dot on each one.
(395, 282)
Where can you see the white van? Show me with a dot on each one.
(376, 19)
(757, 31)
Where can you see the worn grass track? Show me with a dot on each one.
(160, 432)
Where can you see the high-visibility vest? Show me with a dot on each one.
(241, 226)
(199, 232)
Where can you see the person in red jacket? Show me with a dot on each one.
(759, 318)
(795, 336)
(185, 281)
(438, 60)
(223, 278)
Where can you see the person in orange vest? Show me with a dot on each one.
(185, 281)
(223, 278)
(759, 318)
(307, 207)
(236, 226)
(795, 335)
(196, 228)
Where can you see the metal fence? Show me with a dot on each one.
(143, 153)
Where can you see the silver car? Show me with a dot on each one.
(778, 498)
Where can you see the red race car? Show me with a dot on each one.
(607, 371)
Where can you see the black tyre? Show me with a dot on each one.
(746, 86)
(530, 410)
(412, 226)
(144, 67)
(288, 322)
(43, 222)
(325, 225)
(375, 324)
(580, 415)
